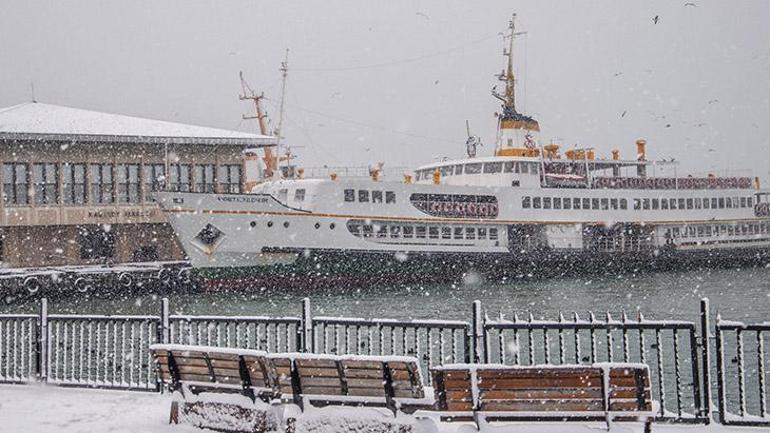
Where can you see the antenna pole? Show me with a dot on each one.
(249, 94)
(284, 73)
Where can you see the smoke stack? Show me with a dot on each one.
(641, 155)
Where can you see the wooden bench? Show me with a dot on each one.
(319, 380)
(598, 392)
(195, 370)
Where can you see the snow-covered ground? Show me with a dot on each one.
(43, 409)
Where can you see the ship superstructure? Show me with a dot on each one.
(526, 202)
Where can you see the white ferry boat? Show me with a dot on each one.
(525, 206)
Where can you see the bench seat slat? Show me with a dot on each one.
(544, 383)
(542, 405)
(562, 393)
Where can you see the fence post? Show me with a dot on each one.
(721, 391)
(42, 342)
(165, 334)
(307, 327)
(705, 329)
(477, 331)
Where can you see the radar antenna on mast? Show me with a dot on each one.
(250, 95)
(472, 142)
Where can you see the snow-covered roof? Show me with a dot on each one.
(47, 122)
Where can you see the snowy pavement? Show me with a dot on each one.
(43, 409)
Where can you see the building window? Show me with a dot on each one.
(74, 183)
(96, 242)
(350, 195)
(376, 196)
(180, 177)
(15, 184)
(299, 194)
(229, 178)
(204, 178)
(154, 178)
(128, 183)
(101, 184)
(46, 182)
(390, 197)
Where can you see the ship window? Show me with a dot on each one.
(700, 231)
(363, 195)
(473, 168)
(390, 197)
(408, 231)
(526, 202)
(382, 231)
(637, 204)
(470, 233)
(515, 183)
(482, 234)
(728, 202)
(446, 232)
(605, 204)
(350, 195)
(447, 170)
(493, 167)
(646, 204)
(595, 203)
(376, 196)
(299, 194)
(664, 203)
(536, 203)
(655, 204)
(672, 203)
(493, 234)
(508, 166)
(623, 204)
(567, 202)
(458, 169)
(420, 232)
(368, 230)
(689, 203)
(698, 203)
(682, 205)
(546, 202)
(586, 203)
(534, 169)
(614, 204)
(721, 202)
(524, 166)
(354, 229)
(750, 202)
(576, 203)
(458, 232)
(433, 232)
(395, 231)
(706, 203)
(557, 202)
(282, 194)
(743, 201)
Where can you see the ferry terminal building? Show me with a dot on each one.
(77, 185)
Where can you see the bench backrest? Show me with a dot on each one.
(599, 388)
(210, 368)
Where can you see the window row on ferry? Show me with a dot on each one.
(638, 203)
(519, 167)
(719, 230)
(364, 195)
(423, 232)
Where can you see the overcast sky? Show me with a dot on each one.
(395, 81)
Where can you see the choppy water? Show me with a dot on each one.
(738, 294)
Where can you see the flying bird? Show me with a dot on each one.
(690, 4)
(617, 74)
(713, 101)
(624, 113)
(656, 19)
(422, 15)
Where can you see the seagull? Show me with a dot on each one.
(422, 15)
(624, 113)
(617, 74)
(690, 4)
(713, 101)
(656, 19)
(435, 82)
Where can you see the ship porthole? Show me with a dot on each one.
(317, 226)
(332, 226)
(269, 223)
(286, 224)
(253, 224)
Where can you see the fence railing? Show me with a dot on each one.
(741, 357)
(112, 351)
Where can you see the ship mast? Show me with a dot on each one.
(509, 97)
(249, 94)
(284, 73)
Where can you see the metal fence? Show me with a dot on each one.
(112, 351)
(741, 357)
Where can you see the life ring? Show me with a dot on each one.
(164, 276)
(126, 280)
(184, 276)
(32, 284)
(82, 285)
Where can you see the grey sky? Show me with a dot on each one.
(696, 85)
